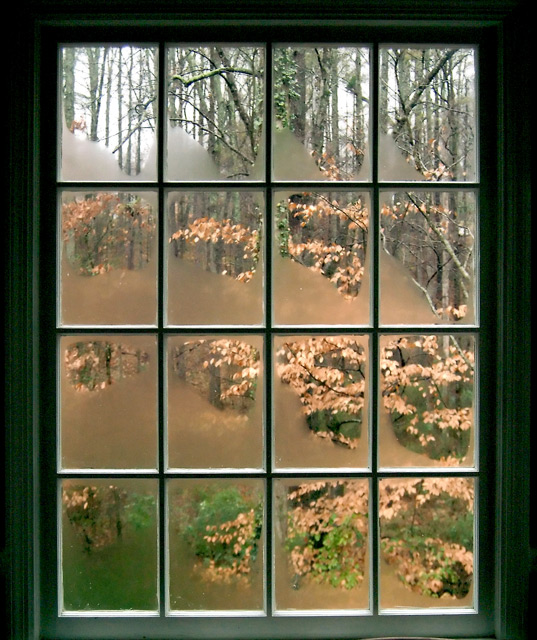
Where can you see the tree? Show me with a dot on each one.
(105, 231)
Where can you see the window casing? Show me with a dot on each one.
(364, 625)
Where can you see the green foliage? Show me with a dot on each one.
(284, 230)
(332, 562)
(206, 516)
(285, 85)
(437, 442)
(430, 542)
(140, 511)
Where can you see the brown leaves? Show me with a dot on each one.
(95, 364)
(327, 373)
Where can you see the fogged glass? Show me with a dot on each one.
(321, 544)
(109, 558)
(215, 264)
(108, 263)
(427, 114)
(320, 256)
(320, 401)
(215, 402)
(426, 412)
(108, 402)
(321, 99)
(427, 257)
(109, 106)
(426, 542)
(216, 105)
(216, 548)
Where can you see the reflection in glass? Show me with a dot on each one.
(215, 402)
(321, 110)
(215, 533)
(216, 112)
(426, 542)
(320, 415)
(109, 112)
(109, 544)
(214, 258)
(321, 273)
(427, 414)
(321, 558)
(427, 108)
(427, 261)
(108, 403)
(109, 258)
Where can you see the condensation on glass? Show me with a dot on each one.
(108, 257)
(321, 99)
(214, 257)
(109, 106)
(193, 366)
(427, 257)
(216, 544)
(426, 542)
(109, 544)
(216, 104)
(427, 401)
(321, 261)
(427, 114)
(321, 530)
(215, 402)
(108, 402)
(320, 411)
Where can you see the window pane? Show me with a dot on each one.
(321, 266)
(215, 402)
(321, 113)
(108, 402)
(320, 401)
(427, 260)
(427, 114)
(216, 101)
(215, 532)
(109, 544)
(426, 542)
(109, 111)
(215, 263)
(321, 536)
(427, 406)
(108, 257)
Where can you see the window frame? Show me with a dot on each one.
(507, 300)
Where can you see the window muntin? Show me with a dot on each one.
(370, 328)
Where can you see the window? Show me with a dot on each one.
(257, 419)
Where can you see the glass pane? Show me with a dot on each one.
(427, 114)
(109, 544)
(216, 99)
(427, 259)
(426, 415)
(321, 544)
(321, 262)
(426, 542)
(215, 402)
(320, 401)
(321, 112)
(108, 257)
(108, 404)
(109, 111)
(215, 532)
(215, 265)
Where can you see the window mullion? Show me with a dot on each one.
(161, 413)
(268, 351)
(374, 247)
